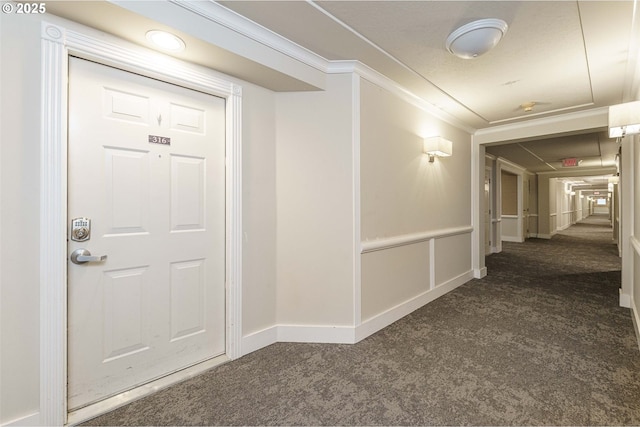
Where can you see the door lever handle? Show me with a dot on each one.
(81, 256)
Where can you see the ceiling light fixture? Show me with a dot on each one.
(476, 38)
(528, 106)
(166, 41)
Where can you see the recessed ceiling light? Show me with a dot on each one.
(165, 40)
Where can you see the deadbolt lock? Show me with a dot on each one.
(80, 229)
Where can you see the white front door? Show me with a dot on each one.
(147, 168)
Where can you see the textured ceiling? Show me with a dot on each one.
(593, 150)
(562, 55)
(565, 56)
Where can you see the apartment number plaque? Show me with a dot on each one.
(156, 139)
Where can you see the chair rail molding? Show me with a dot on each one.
(409, 239)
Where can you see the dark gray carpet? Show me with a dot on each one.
(540, 341)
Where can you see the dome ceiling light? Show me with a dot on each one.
(476, 38)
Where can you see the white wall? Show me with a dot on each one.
(601, 209)
(510, 228)
(259, 209)
(315, 205)
(19, 218)
(405, 197)
(634, 239)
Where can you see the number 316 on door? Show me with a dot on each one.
(155, 139)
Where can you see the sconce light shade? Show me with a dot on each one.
(624, 119)
(437, 146)
(476, 38)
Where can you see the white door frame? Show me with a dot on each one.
(505, 165)
(489, 169)
(58, 43)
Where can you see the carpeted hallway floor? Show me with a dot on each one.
(540, 341)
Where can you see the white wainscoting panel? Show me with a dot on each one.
(402, 273)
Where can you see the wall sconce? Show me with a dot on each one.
(624, 119)
(437, 146)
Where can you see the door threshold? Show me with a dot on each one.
(109, 404)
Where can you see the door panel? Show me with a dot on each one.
(124, 312)
(187, 294)
(187, 193)
(147, 166)
(127, 190)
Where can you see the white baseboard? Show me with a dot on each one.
(625, 300)
(348, 334)
(316, 334)
(297, 333)
(514, 239)
(382, 320)
(260, 339)
(479, 273)
(636, 322)
(544, 236)
(28, 421)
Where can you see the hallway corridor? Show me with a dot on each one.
(540, 341)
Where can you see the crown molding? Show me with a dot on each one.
(510, 166)
(595, 118)
(579, 172)
(229, 19)
(548, 113)
(379, 79)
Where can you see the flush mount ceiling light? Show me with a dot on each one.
(165, 40)
(528, 106)
(475, 38)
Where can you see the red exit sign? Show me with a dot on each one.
(570, 162)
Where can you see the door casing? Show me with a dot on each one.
(58, 43)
